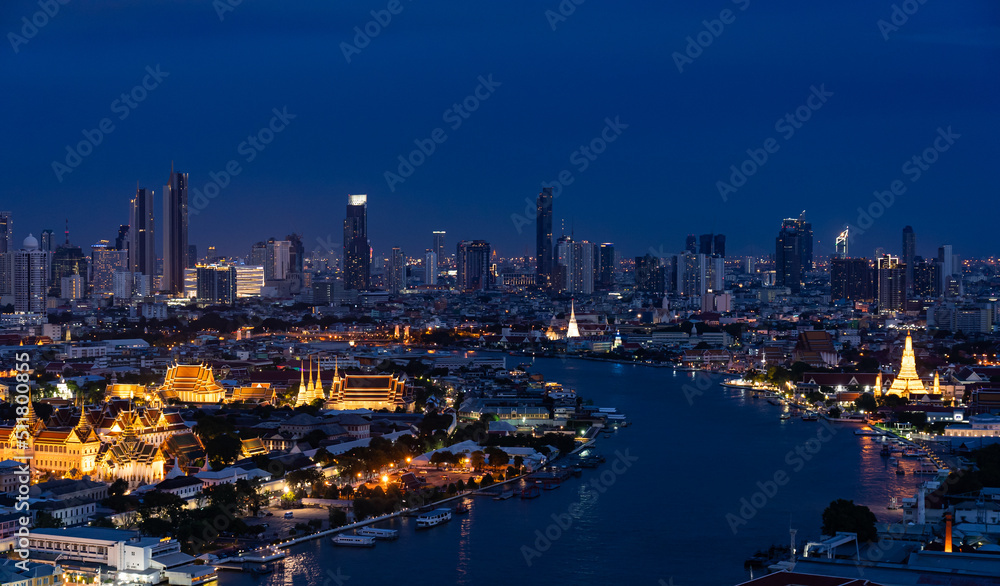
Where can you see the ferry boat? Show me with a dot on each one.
(435, 517)
(461, 509)
(810, 416)
(785, 416)
(353, 540)
(379, 534)
(506, 494)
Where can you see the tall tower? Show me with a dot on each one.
(6, 251)
(840, 244)
(438, 244)
(357, 249)
(31, 277)
(396, 272)
(543, 238)
(175, 231)
(430, 267)
(473, 260)
(788, 256)
(891, 280)
(909, 252)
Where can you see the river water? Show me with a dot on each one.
(705, 476)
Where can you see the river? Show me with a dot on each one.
(705, 477)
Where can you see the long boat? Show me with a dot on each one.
(353, 540)
(435, 517)
(379, 534)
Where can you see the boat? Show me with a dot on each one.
(379, 534)
(461, 509)
(785, 416)
(900, 472)
(506, 494)
(893, 504)
(810, 416)
(530, 492)
(353, 540)
(435, 517)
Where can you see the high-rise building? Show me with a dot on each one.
(543, 239)
(396, 271)
(6, 253)
(649, 276)
(840, 244)
(576, 261)
(788, 257)
(121, 240)
(947, 268)
(909, 252)
(926, 278)
(851, 279)
(192, 256)
(691, 244)
(31, 277)
(6, 232)
(720, 245)
(606, 273)
(48, 240)
(357, 248)
(217, 284)
(438, 245)
(715, 274)
(891, 279)
(277, 260)
(175, 231)
(805, 233)
(296, 254)
(430, 267)
(67, 260)
(706, 244)
(105, 261)
(473, 261)
(692, 274)
(141, 245)
(258, 254)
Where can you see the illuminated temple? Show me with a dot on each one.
(191, 383)
(370, 391)
(907, 381)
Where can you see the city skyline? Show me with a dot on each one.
(834, 163)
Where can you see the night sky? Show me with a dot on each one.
(655, 183)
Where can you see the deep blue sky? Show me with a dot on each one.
(653, 185)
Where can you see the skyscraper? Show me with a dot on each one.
(277, 260)
(6, 252)
(175, 232)
(543, 239)
(788, 254)
(926, 278)
(258, 254)
(946, 260)
(217, 284)
(720, 245)
(396, 271)
(296, 253)
(805, 232)
(105, 261)
(473, 261)
(430, 267)
(691, 244)
(6, 232)
(850, 279)
(840, 244)
(438, 245)
(909, 251)
(47, 241)
(192, 256)
(141, 245)
(606, 276)
(891, 284)
(31, 275)
(706, 244)
(121, 240)
(357, 249)
(649, 275)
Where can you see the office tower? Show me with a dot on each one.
(715, 273)
(577, 264)
(840, 244)
(720, 245)
(6, 232)
(105, 261)
(473, 260)
(191, 282)
(217, 284)
(692, 274)
(71, 287)
(121, 240)
(788, 257)
(67, 260)
(649, 275)
(296, 254)
(691, 244)
(430, 267)
(562, 255)
(395, 271)
(357, 249)
(706, 244)
(192, 256)
(249, 281)
(175, 231)
(141, 245)
(31, 276)
(277, 260)
(926, 278)
(543, 239)
(805, 233)
(891, 279)
(438, 245)
(258, 254)
(948, 266)
(48, 241)
(909, 251)
(850, 279)
(606, 274)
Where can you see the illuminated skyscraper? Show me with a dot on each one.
(691, 244)
(31, 277)
(277, 260)
(606, 274)
(909, 252)
(357, 248)
(788, 256)
(217, 284)
(175, 231)
(105, 261)
(543, 238)
(840, 244)
(396, 271)
(850, 279)
(473, 260)
(438, 245)
(6, 232)
(296, 253)
(430, 267)
(141, 245)
(805, 235)
(891, 279)
(6, 253)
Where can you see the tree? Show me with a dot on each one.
(118, 487)
(45, 520)
(866, 402)
(518, 462)
(337, 517)
(477, 460)
(498, 457)
(844, 515)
